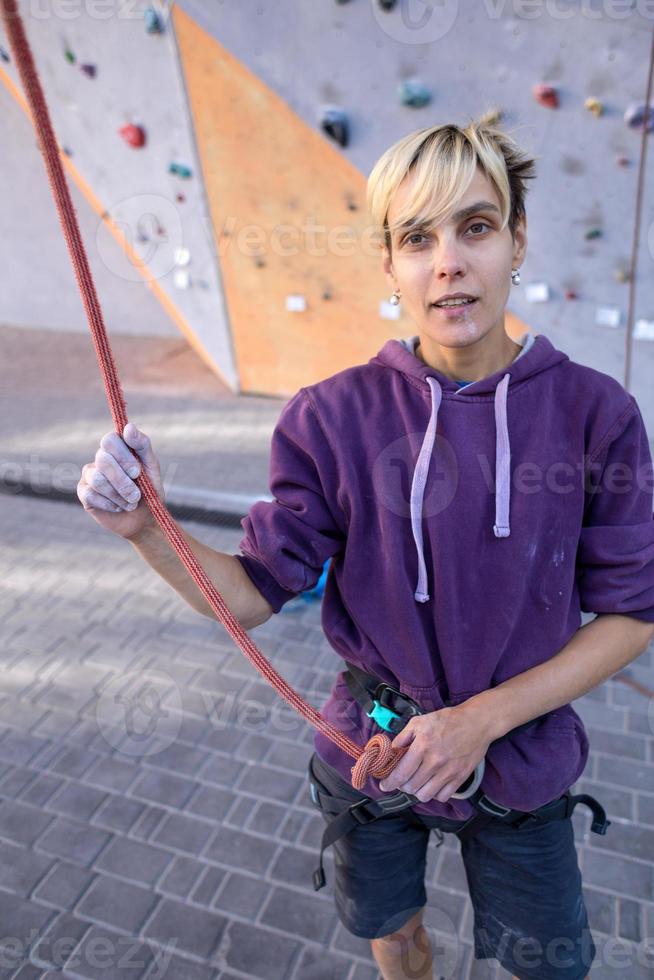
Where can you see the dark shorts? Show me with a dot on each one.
(524, 884)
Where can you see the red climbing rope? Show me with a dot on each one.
(377, 758)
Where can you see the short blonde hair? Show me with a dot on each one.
(444, 159)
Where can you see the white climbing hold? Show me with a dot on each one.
(607, 316)
(296, 303)
(181, 279)
(537, 292)
(182, 256)
(643, 330)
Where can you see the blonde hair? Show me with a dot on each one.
(444, 159)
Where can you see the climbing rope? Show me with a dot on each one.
(376, 758)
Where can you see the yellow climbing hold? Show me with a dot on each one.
(595, 106)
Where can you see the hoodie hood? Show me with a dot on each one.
(540, 356)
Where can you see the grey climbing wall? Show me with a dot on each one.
(134, 79)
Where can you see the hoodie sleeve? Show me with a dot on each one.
(615, 558)
(288, 540)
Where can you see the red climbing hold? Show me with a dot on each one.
(546, 95)
(570, 294)
(133, 135)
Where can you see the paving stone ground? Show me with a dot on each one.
(189, 853)
(178, 840)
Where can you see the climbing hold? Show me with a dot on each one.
(89, 70)
(635, 117)
(387, 4)
(259, 262)
(643, 330)
(334, 123)
(546, 95)
(593, 233)
(182, 256)
(180, 198)
(595, 106)
(413, 94)
(181, 279)
(607, 316)
(67, 152)
(153, 22)
(623, 161)
(180, 169)
(622, 275)
(537, 292)
(571, 294)
(326, 294)
(296, 304)
(69, 56)
(351, 203)
(492, 117)
(133, 135)
(3, 55)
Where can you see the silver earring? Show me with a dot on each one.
(395, 298)
(515, 277)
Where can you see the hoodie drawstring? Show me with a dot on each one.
(501, 527)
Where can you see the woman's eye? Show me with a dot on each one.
(416, 234)
(479, 224)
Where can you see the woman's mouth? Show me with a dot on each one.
(454, 308)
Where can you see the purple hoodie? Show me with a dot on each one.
(467, 528)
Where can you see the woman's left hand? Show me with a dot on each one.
(444, 747)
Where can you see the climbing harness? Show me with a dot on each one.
(377, 697)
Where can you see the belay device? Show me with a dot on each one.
(392, 710)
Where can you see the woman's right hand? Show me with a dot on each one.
(107, 489)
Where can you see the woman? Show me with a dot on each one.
(449, 482)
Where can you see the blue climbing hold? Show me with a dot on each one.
(153, 24)
(414, 94)
(334, 123)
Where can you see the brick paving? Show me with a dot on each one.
(192, 856)
(184, 848)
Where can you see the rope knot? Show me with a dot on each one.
(377, 759)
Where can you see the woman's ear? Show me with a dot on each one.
(387, 266)
(520, 243)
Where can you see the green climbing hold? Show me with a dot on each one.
(593, 233)
(180, 169)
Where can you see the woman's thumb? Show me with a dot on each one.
(140, 443)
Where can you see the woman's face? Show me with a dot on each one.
(465, 254)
